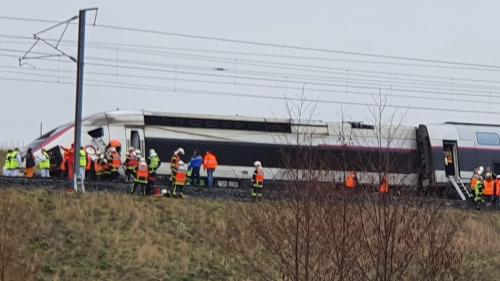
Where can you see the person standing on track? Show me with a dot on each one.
(174, 164)
(194, 166)
(30, 163)
(257, 181)
(384, 185)
(6, 166)
(489, 188)
(131, 161)
(154, 163)
(44, 164)
(141, 177)
(116, 163)
(351, 181)
(83, 168)
(496, 197)
(210, 164)
(180, 180)
(15, 163)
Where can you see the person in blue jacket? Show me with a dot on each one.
(194, 166)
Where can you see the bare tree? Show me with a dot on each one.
(317, 231)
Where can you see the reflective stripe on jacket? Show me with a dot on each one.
(142, 173)
(180, 177)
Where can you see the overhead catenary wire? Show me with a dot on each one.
(230, 83)
(246, 77)
(176, 90)
(258, 75)
(264, 44)
(352, 70)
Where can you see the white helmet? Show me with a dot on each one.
(180, 150)
(488, 175)
(257, 164)
(181, 162)
(480, 170)
(152, 152)
(142, 160)
(138, 152)
(164, 192)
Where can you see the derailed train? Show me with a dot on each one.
(417, 153)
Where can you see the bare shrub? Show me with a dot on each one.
(318, 231)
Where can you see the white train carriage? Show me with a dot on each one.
(239, 141)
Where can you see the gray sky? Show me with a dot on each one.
(463, 31)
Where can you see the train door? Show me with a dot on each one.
(135, 138)
(450, 151)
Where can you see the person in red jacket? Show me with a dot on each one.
(210, 164)
(497, 191)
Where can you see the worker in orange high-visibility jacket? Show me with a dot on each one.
(210, 164)
(131, 162)
(489, 188)
(384, 185)
(174, 164)
(476, 177)
(116, 163)
(180, 180)
(257, 181)
(99, 166)
(351, 181)
(141, 177)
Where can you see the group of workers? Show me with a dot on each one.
(107, 165)
(351, 182)
(13, 165)
(485, 186)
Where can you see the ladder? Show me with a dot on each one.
(460, 187)
(99, 144)
(462, 184)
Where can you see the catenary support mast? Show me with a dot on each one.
(79, 96)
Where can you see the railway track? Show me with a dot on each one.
(241, 194)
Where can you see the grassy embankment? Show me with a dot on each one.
(58, 236)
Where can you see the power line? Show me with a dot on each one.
(229, 83)
(112, 46)
(246, 95)
(274, 45)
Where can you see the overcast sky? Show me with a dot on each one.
(451, 30)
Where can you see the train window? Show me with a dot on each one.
(488, 139)
(217, 124)
(135, 139)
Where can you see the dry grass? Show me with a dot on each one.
(118, 237)
(65, 236)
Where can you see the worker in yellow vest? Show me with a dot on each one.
(180, 180)
(44, 164)
(82, 168)
(6, 166)
(257, 181)
(15, 163)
